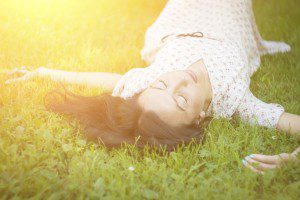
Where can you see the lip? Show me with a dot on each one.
(192, 74)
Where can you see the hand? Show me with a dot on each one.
(260, 163)
(25, 74)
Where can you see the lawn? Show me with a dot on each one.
(44, 155)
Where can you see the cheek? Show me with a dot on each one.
(197, 104)
(197, 98)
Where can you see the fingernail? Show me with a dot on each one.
(247, 158)
(244, 161)
(252, 156)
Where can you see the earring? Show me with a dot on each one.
(200, 118)
(202, 115)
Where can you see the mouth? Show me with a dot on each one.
(192, 74)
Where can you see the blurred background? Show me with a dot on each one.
(73, 34)
(103, 35)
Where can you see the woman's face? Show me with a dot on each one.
(177, 97)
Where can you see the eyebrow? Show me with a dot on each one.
(171, 97)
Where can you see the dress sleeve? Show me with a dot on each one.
(255, 111)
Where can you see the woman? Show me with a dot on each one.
(201, 55)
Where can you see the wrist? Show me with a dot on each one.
(294, 154)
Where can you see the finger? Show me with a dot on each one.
(23, 78)
(22, 70)
(13, 80)
(284, 157)
(246, 164)
(18, 71)
(270, 159)
(260, 165)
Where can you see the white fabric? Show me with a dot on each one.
(255, 111)
(231, 57)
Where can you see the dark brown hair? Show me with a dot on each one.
(113, 121)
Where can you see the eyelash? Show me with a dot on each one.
(185, 99)
(163, 83)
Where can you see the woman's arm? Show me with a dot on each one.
(289, 123)
(270, 115)
(254, 111)
(93, 79)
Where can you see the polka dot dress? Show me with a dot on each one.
(229, 45)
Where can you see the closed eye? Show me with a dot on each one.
(160, 85)
(179, 100)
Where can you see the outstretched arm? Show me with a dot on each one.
(255, 111)
(93, 79)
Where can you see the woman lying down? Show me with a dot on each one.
(201, 55)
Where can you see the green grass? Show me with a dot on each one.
(44, 155)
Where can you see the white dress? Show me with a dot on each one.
(230, 48)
